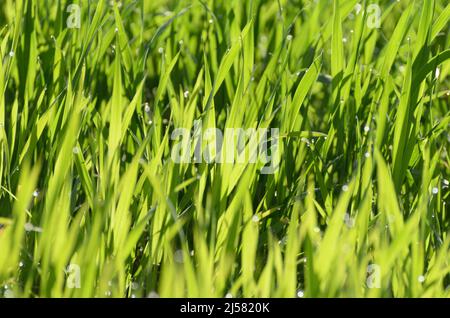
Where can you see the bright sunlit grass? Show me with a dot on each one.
(351, 198)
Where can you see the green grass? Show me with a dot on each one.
(359, 206)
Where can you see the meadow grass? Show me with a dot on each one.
(92, 204)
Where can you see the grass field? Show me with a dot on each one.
(351, 198)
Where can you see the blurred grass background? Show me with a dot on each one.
(91, 203)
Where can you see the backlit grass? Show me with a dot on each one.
(92, 204)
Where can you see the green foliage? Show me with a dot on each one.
(86, 176)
